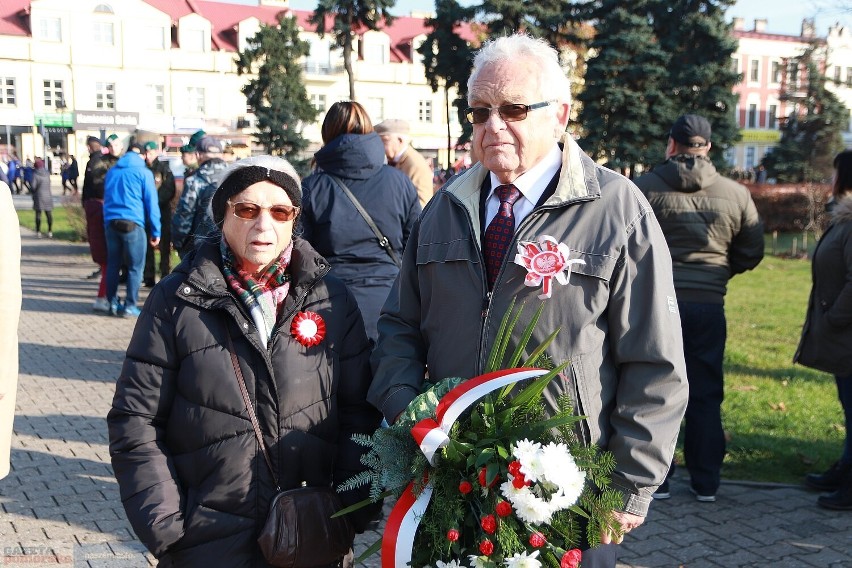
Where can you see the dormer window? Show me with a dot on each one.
(103, 9)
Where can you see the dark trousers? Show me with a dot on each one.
(704, 335)
(844, 392)
(165, 248)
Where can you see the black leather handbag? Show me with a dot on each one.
(299, 531)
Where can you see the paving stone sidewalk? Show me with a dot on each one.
(60, 504)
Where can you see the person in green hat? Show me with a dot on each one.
(164, 180)
(190, 161)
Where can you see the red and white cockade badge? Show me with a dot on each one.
(545, 260)
(308, 328)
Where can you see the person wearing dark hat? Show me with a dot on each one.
(714, 232)
(193, 480)
(191, 221)
(93, 204)
(395, 135)
(164, 180)
(115, 145)
(189, 160)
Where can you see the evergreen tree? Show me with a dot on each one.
(277, 94)
(447, 58)
(625, 109)
(349, 17)
(811, 135)
(701, 78)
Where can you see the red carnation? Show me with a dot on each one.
(571, 559)
(504, 509)
(465, 487)
(453, 535)
(537, 540)
(482, 478)
(489, 524)
(519, 481)
(486, 547)
(515, 468)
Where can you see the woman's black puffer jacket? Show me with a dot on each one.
(192, 478)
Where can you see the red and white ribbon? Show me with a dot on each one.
(431, 435)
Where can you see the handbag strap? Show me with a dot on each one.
(250, 408)
(383, 240)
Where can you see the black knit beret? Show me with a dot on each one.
(243, 177)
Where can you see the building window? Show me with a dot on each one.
(195, 40)
(154, 37)
(772, 117)
(195, 100)
(103, 33)
(735, 65)
(53, 93)
(375, 52)
(318, 102)
(7, 91)
(754, 72)
(375, 107)
(752, 116)
(105, 96)
(776, 72)
(156, 99)
(49, 29)
(751, 154)
(104, 9)
(424, 113)
(849, 76)
(837, 71)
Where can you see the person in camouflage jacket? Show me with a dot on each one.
(191, 222)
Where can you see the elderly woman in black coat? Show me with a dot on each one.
(193, 478)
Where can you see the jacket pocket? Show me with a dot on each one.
(463, 250)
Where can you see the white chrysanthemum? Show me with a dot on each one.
(523, 560)
(525, 450)
(528, 453)
(450, 564)
(562, 471)
(478, 561)
(530, 508)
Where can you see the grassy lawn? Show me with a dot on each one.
(68, 222)
(783, 420)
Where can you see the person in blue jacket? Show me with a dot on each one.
(355, 155)
(130, 207)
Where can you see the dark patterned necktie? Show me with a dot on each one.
(501, 230)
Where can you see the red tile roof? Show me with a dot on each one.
(13, 17)
(224, 18)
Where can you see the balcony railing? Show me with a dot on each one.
(319, 68)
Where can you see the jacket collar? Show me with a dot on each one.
(842, 211)
(577, 180)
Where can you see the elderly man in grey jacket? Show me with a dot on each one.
(618, 316)
(714, 232)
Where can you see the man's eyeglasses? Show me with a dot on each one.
(248, 211)
(509, 113)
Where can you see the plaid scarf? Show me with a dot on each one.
(264, 294)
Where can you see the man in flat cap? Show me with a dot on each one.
(394, 133)
(164, 181)
(713, 231)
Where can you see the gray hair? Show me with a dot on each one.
(553, 84)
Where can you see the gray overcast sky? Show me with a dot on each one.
(784, 16)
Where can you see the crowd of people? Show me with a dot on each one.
(304, 311)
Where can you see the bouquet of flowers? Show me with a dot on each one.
(485, 475)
